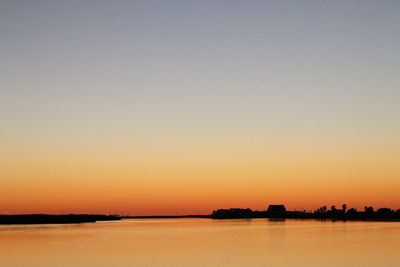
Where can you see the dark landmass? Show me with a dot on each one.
(54, 219)
(166, 216)
(273, 211)
(279, 211)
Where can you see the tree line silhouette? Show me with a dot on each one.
(279, 211)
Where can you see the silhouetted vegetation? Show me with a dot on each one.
(273, 211)
(279, 211)
(234, 213)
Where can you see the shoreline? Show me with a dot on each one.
(26, 219)
(167, 217)
(54, 218)
(251, 218)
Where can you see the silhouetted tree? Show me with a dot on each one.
(344, 207)
(352, 211)
(384, 212)
(369, 209)
(333, 208)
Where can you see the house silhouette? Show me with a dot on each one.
(276, 210)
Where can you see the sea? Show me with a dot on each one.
(202, 242)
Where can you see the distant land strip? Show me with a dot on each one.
(273, 212)
(323, 213)
(55, 219)
(166, 216)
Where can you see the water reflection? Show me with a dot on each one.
(200, 242)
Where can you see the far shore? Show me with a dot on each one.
(251, 218)
(274, 212)
(166, 216)
(55, 219)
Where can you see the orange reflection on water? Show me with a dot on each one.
(200, 242)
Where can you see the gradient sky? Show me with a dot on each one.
(176, 107)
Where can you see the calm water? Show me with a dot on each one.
(202, 242)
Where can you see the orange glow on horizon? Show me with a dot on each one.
(192, 180)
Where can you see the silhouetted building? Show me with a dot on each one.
(276, 210)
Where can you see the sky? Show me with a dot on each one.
(182, 107)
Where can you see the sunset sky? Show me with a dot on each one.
(182, 107)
